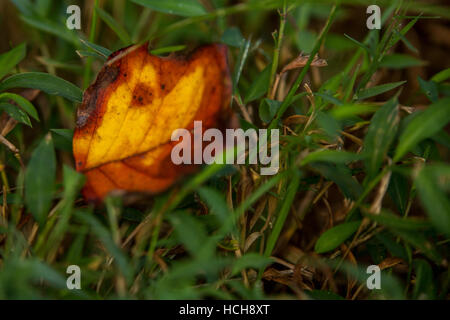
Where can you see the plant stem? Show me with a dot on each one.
(295, 86)
(276, 52)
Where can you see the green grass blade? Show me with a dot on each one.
(43, 81)
(40, 180)
(423, 126)
(185, 8)
(10, 59)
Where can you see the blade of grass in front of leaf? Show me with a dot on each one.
(167, 49)
(185, 8)
(97, 48)
(87, 54)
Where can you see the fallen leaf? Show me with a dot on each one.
(124, 125)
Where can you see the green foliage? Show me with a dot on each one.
(40, 180)
(45, 82)
(424, 125)
(363, 175)
(10, 59)
(187, 8)
(335, 236)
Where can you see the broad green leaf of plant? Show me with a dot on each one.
(250, 260)
(232, 37)
(15, 113)
(191, 234)
(332, 156)
(10, 59)
(292, 188)
(43, 81)
(216, 203)
(424, 284)
(441, 76)
(342, 176)
(398, 190)
(347, 111)
(381, 134)
(390, 220)
(104, 235)
(374, 91)
(26, 105)
(329, 124)
(260, 86)
(433, 197)
(423, 126)
(268, 109)
(62, 139)
(400, 61)
(418, 240)
(185, 8)
(396, 249)
(335, 236)
(429, 88)
(66, 133)
(40, 180)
